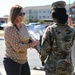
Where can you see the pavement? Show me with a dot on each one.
(33, 72)
(32, 57)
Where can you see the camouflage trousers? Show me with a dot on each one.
(56, 74)
(47, 73)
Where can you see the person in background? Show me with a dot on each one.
(17, 41)
(57, 42)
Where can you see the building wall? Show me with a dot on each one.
(3, 20)
(38, 14)
(72, 11)
(42, 12)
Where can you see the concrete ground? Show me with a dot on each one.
(33, 72)
(32, 57)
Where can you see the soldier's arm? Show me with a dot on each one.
(45, 45)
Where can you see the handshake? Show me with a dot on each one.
(37, 43)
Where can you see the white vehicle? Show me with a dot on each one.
(3, 25)
(31, 26)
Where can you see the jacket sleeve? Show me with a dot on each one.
(11, 37)
(46, 44)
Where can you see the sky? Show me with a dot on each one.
(5, 5)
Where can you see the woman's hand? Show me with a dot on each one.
(34, 43)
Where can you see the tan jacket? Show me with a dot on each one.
(17, 43)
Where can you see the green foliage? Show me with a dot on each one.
(35, 20)
(1, 33)
(41, 21)
(26, 20)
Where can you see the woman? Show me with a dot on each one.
(57, 42)
(17, 41)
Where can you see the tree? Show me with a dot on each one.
(41, 21)
(26, 20)
(35, 20)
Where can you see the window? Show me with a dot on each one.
(2, 21)
(32, 17)
(73, 9)
(48, 11)
(36, 12)
(39, 16)
(48, 17)
(39, 11)
(44, 11)
(44, 16)
(73, 15)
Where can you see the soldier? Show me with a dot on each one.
(57, 42)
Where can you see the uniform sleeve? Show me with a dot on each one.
(11, 37)
(46, 47)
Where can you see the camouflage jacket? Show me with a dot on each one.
(56, 48)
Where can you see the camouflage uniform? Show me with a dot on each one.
(56, 49)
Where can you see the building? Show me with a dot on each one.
(43, 12)
(72, 12)
(3, 20)
(38, 12)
